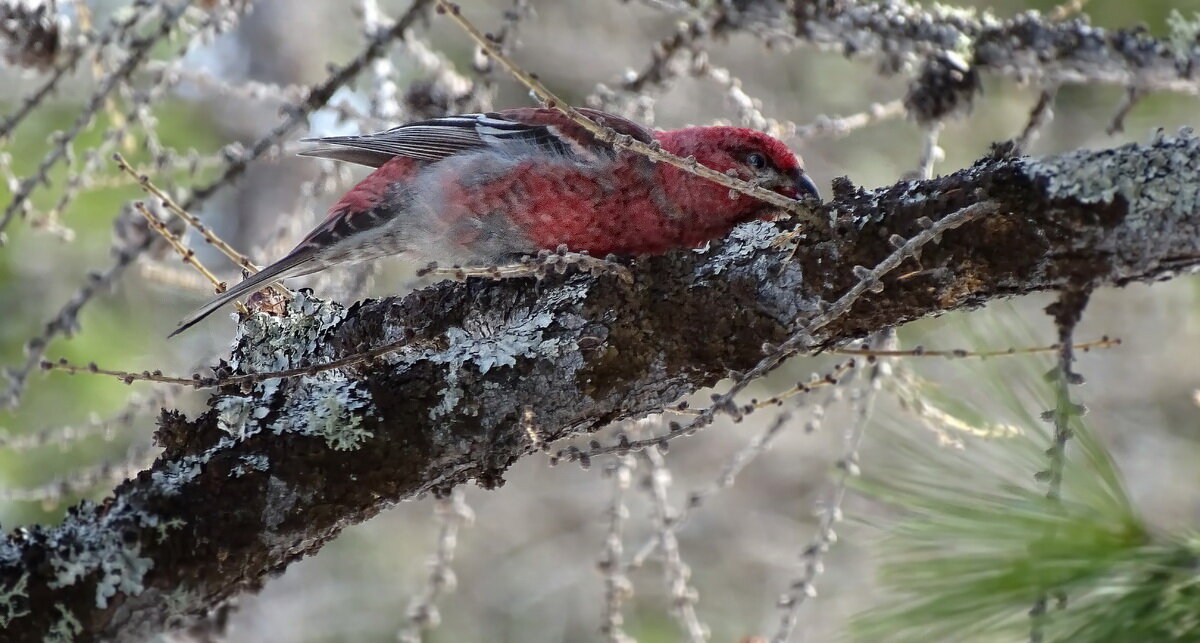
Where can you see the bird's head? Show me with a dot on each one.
(749, 155)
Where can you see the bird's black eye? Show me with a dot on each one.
(756, 161)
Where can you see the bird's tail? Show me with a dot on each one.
(290, 266)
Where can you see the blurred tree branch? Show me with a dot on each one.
(1026, 47)
(272, 472)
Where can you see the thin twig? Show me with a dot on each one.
(837, 126)
(732, 468)
(1040, 116)
(238, 158)
(931, 152)
(958, 353)
(118, 29)
(869, 279)
(107, 428)
(187, 254)
(452, 513)
(617, 586)
(125, 376)
(116, 134)
(804, 587)
(138, 51)
(82, 480)
(830, 378)
(1066, 312)
(664, 53)
(239, 259)
(384, 105)
(199, 381)
(1133, 95)
(175, 278)
(676, 572)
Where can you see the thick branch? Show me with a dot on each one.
(272, 473)
(1027, 46)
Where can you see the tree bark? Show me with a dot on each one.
(274, 470)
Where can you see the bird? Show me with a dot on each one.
(488, 188)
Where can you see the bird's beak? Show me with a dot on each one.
(803, 184)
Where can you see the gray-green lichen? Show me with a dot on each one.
(328, 406)
(494, 339)
(325, 405)
(234, 414)
(1183, 35)
(249, 463)
(1148, 178)
(91, 542)
(177, 473)
(163, 527)
(266, 343)
(85, 545)
(13, 600)
(65, 628)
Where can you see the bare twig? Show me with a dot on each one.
(175, 278)
(239, 259)
(76, 482)
(1023, 47)
(118, 30)
(733, 467)
(837, 126)
(65, 322)
(677, 573)
(931, 152)
(1133, 95)
(125, 376)
(665, 53)
(830, 513)
(188, 255)
(1066, 312)
(869, 279)
(959, 353)
(384, 105)
(617, 586)
(452, 513)
(830, 378)
(138, 50)
(107, 428)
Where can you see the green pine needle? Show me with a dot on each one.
(978, 542)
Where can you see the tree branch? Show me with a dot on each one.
(1027, 46)
(273, 471)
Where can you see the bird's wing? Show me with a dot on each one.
(439, 138)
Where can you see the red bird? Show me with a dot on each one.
(483, 189)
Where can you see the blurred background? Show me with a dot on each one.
(526, 567)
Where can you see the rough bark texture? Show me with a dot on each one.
(272, 472)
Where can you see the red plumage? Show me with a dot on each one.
(483, 189)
